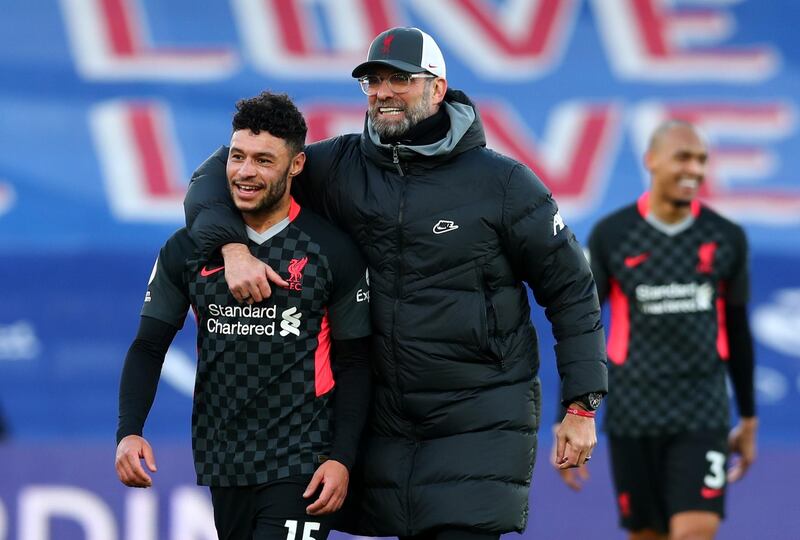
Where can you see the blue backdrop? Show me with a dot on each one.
(106, 106)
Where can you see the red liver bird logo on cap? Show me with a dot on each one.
(387, 43)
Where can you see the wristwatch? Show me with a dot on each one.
(591, 400)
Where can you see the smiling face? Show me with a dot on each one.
(676, 160)
(393, 114)
(259, 169)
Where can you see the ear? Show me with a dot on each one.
(298, 162)
(649, 160)
(439, 90)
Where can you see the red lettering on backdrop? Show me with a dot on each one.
(512, 41)
(646, 39)
(326, 120)
(144, 124)
(283, 36)
(573, 163)
(533, 42)
(139, 159)
(119, 27)
(110, 41)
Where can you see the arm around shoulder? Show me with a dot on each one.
(211, 217)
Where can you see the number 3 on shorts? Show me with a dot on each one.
(308, 528)
(716, 466)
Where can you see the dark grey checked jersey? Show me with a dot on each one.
(262, 406)
(667, 340)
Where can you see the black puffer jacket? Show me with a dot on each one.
(450, 232)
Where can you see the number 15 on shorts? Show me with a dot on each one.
(308, 528)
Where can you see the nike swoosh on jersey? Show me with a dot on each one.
(636, 260)
(708, 493)
(205, 272)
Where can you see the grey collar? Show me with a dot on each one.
(670, 229)
(260, 238)
(461, 118)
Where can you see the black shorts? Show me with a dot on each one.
(272, 511)
(658, 477)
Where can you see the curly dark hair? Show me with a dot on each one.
(274, 113)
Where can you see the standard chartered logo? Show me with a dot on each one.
(290, 323)
(675, 298)
(262, 320)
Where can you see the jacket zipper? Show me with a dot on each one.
(398, 288)
(398, 294)
(410, 517)
(396, 161)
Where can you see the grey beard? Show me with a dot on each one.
(387, 129)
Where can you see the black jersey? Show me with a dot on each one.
(667, 342)
(262, 394)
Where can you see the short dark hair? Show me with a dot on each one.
(274, 113)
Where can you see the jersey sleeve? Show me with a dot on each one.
(545, 253)
(351, 400)
(737, 290)
(140, 374)
(167, 297)
(348, 311)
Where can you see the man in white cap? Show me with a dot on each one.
(451, 232)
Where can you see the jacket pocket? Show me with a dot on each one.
(490, 341)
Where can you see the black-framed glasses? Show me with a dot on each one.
(399, 83)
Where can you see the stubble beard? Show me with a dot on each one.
(390, 129)
(273, 193)
(681, 203)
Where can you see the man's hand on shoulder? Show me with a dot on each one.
(248, 278)
(334, 479)
(130, 451)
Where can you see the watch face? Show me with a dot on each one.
(594, 400)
